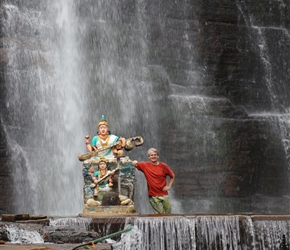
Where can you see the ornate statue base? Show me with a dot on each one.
(117, 199)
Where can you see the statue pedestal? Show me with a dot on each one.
(107, 210)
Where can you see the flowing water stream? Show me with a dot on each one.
(45, 101)
(71, 61)
(178, 232)
(64, 72)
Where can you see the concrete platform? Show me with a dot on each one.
(99, 246)
(106, 224)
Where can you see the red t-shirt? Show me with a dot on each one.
(155, 176)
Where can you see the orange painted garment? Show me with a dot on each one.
(155, 176)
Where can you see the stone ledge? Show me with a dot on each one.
(108, 210)
(23, 218)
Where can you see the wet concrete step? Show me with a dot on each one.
(99, 246)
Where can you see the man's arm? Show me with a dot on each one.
(169, 185)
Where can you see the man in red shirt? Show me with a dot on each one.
(155, 173)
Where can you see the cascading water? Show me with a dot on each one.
(73, 73)
(272, 235)
(45, 101)
(167, 232)
(277, 111)
(23, 235)
(83, 223)
(205, 232)
(145, 67)
(210, 93)
(160, 233)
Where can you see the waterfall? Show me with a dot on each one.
(17, 234)
(205, 232)
(65, 70)
(83, 223)
(277, 112)
(159, 233)
(238, 232)
(272, 235)
(45, 101)
(209, 93)
(260, 37)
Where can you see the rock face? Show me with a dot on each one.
(6, 180)
(52, 234)
(210, 91)
(67, 234)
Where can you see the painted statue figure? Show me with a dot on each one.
(106, 170)
(109, 145)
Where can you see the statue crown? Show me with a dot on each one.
(103, 121)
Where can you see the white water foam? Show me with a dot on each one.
(20, 235)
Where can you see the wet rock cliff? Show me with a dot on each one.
(209, 89)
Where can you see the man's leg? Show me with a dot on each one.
(160, 204)
(166, 205)
(156, 204)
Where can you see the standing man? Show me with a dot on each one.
(155, 173)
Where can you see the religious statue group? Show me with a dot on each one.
(109, 175)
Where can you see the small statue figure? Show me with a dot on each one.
(103, 178)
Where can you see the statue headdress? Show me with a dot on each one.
(103, 121)
(103, 159)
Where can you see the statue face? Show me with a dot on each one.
(103, 130)
(102, 165)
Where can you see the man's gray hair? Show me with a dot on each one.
(152, 150)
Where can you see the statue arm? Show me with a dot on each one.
(96, 179)
(88, 144)
(121, 144)
(91, 146)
